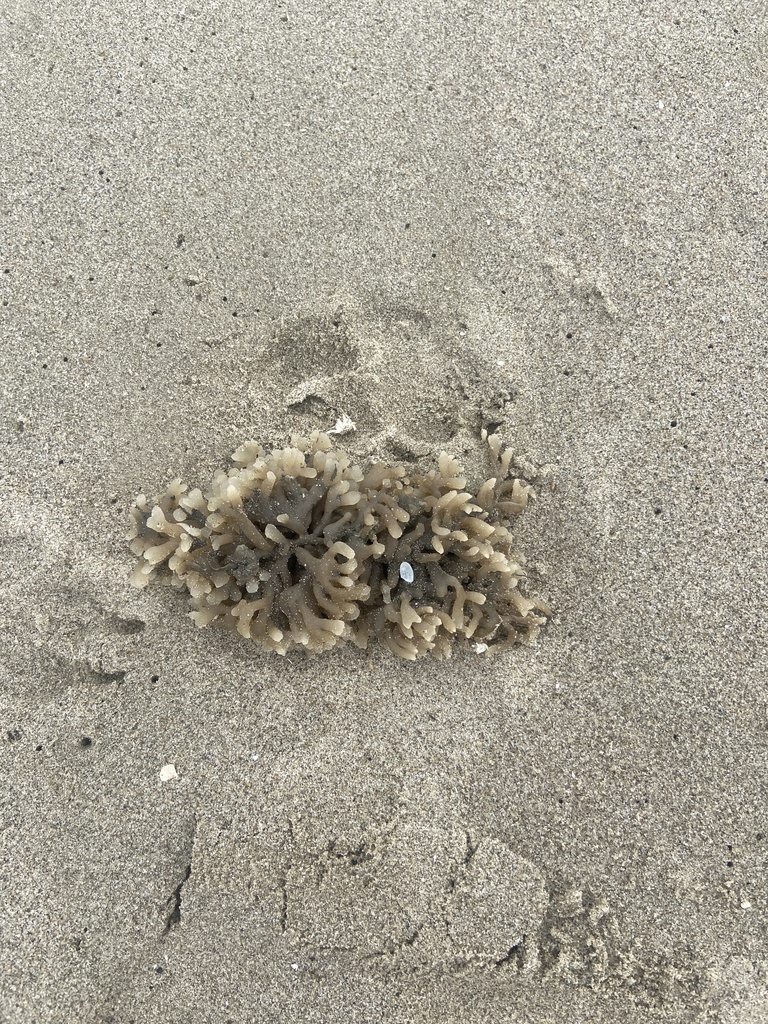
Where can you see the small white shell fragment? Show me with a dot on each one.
(406, 572)
(168, 772)
(480, 648)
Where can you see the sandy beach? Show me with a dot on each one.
(225, 223)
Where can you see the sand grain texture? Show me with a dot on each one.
(226, 223)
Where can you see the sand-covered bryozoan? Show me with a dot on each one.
(299, 546)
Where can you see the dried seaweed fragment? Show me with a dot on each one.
(300, 547)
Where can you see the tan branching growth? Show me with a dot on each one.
(301, 547)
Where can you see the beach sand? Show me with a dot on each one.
(223, 223)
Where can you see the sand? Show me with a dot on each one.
(227, 222)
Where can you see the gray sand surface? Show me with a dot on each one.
(223, 222)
